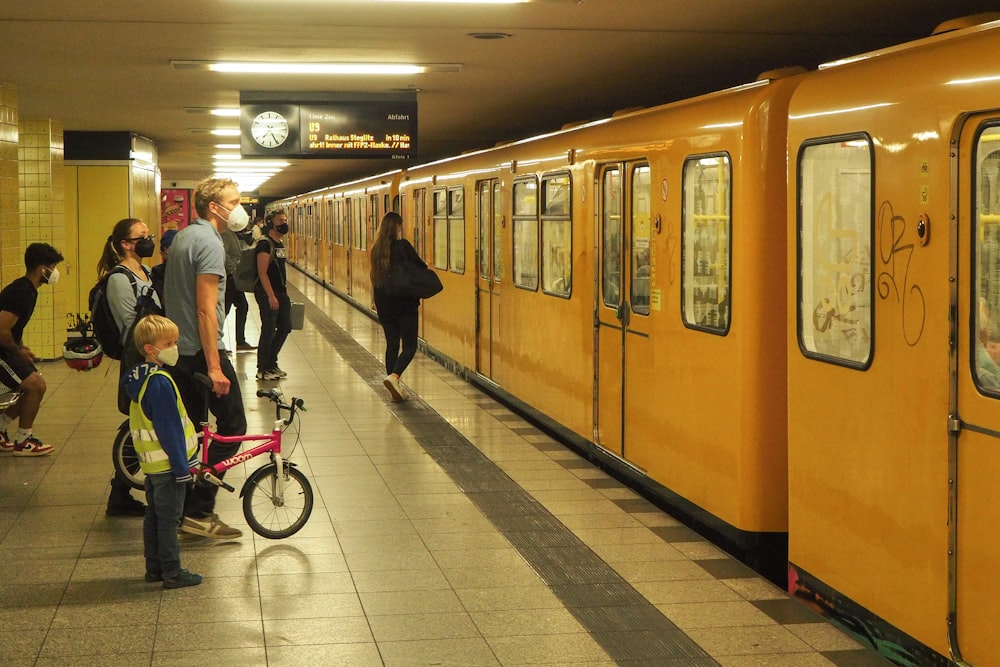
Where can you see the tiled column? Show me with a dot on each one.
(11, 250)
(42, 195)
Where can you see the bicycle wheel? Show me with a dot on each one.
(125, 460)
(273, 517)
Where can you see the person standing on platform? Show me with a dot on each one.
(159, 272)
(129, 243)
(234, 295)
(398, 315)
(271, 294)
(167, 444)
(17, 363)
(195, 289)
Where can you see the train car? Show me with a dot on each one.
(625, 278)
(334, 229)
(894, 299)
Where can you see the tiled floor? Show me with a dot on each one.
(447, 531)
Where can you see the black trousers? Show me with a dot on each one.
(275, 325)
(230, 419)
(400, 327)
(236, 297)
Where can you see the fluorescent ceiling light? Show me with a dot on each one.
(227, 146)
(465, 2)
(228, 112)
(226, 133)
(314, 68)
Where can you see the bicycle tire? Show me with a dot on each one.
(268, 517)
(125, 460)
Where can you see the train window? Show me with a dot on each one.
(641, 235)
(338, 224)
(497, 227)
(705, 242)
(526, 233)
(611, 237)
(835, 228)
(419, 202)
(485, 221)
(986, 262)
(358, 223)
(456, 229)
(556, 235)
(441, 229)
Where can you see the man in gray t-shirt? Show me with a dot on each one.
(195, 288)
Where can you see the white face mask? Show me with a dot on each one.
(238, 218)
(53, 276)
(169, 356)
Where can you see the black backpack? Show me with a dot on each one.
(106, 330)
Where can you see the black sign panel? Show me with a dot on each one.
(337, 128)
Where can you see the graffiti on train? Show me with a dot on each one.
(894, 275)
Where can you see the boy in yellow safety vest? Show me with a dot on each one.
(166, 443)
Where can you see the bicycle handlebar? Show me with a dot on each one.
(274, 395)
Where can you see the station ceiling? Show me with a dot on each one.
(107, 65)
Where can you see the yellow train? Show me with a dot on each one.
(775, 307)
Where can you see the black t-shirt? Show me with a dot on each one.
(276, 269)
(19, 298)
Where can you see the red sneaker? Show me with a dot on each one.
(5, 444)
(32, 446)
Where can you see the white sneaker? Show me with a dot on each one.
(391, 383)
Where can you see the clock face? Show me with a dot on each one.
(269, 129)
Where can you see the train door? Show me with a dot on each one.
(622, 322)
(974, 457)
(488, 218)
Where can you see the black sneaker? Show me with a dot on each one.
(183, 578)
(130, 507)
(152, 577)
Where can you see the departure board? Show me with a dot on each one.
(360, 129)
(329, 128)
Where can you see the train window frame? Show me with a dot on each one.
(520, 218)
(640, 244)
(498, 224)
(804, 332)
(338, 222)
(611, 253)
(984, 309)
(697, 270)
(456, 229)
(439, 214)
(556, 221)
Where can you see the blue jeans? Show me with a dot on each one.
(164, 506)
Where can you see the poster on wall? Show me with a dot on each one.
(174, 208)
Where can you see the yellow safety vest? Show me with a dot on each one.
(152, 458)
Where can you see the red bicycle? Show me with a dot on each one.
(275, 505)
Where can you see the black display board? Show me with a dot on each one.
(328, 125)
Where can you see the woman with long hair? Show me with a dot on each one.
(398, 315)
(129, 243)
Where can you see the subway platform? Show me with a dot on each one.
(447, 531)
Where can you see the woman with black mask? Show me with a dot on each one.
(130, 242)
(271, 294)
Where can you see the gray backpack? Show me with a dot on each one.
(245, 276)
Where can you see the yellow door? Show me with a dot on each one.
(489, 220)
(623, 299)
(974, 456)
